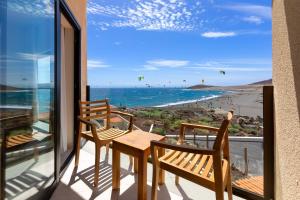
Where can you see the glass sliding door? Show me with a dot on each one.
(27, 97)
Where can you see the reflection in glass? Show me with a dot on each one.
(27, 94)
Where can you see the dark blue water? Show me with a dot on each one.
(148, 97)
(129, 97)
(27, 98)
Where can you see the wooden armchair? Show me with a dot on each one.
(209, 168)
(101, 136)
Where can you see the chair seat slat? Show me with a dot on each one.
(208, 167)
(191, 166)
(180, 158)
(186, 160)
(200, 164)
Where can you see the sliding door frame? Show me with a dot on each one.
(3, 5)
(61, 7)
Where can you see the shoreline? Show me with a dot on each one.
(187, 101)
(243, 100)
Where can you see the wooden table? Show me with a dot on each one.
(136, 144)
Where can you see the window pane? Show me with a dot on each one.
(27, 94)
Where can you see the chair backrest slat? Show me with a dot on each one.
(85, 107)
(94, 102)
(94, 111)
(99, 109)
(97, 116)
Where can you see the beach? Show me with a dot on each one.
(243, 100)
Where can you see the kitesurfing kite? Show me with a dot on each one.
(222, 72)
(140, 78)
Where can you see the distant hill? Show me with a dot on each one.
(6, 87)
(200, 86)
(265, 82)
(259, 83)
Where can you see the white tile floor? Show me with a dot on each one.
(78, 184)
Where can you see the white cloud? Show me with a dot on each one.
(234, 33)
(41, 8)
(96, 64)
(35, 56)
(253, 19)
(167, 63)
(253, 9)
(218, 34)
(255, 32)
(244, 61)
(117, 43)
(235, 69)
(171, 15)
(150, 68)
(154, 65)
(236, 65)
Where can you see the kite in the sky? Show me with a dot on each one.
(140, 78)
(222, 72)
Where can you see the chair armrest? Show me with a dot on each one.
(86, 122)
(192, 126)
(122, 113)
(130, 125)
(209, 128)
(183, 148)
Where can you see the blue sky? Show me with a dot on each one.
(168, 41)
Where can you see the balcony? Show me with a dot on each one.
(79, 184)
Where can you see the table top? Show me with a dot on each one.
(138, 139)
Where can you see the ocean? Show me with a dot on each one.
(151, 97)
(25, 99)
(129, 97)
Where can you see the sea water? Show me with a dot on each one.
(129, 97)
(151, 97)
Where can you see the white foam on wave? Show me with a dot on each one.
(187, 101)
(15, 107)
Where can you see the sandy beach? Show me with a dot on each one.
(244, 100)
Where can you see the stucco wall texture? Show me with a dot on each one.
(78, 8)
(286, 80)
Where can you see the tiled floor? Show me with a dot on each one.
(78, 183)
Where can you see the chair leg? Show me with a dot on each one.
(219, 192)
(97, 163)
(78, 145)
(77, 151)
(154, 182)
(130, 160)
(36, 153)
(135, 165)
(229, 187)
(177, 180)
(107, 148)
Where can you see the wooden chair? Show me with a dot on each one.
(16, 142)
(209, 168)
(92, 110)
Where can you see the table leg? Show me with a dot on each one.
(161, 179)
(142, 177)
(135, 167)
(116, 169)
